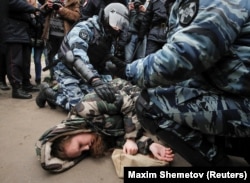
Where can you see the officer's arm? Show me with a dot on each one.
(79, 39)
(192, 47)
(79, 67)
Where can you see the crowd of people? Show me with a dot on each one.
(185, 63)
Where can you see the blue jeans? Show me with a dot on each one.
(130, 49)
(38, 51)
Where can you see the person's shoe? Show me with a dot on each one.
(50, 94)
(20, 94)
(239, 147)
(30, 88)
(41, 97)
(3, 86)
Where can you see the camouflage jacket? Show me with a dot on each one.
(207, 47)
(117, 120)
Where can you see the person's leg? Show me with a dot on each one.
(26, 63)
(207, 112)
(53, 46)
(38, 66)
(45, 52)
(15, 69)
(27, 86)
(69, 92)
(130, 48)
(3, 69)
(152, 46)
(191, 127)
(141, 52)
(66, 94)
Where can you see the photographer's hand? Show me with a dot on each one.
(131, 6)
(55, 4)
(60, 7)
(50, 4)
(142, 8)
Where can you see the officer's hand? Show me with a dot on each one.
(104, 90)
(116, 66)
(120, 52)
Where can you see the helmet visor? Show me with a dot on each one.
(117, 20)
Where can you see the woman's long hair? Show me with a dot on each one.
(97, 149)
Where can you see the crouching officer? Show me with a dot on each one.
(82, 59)
(196, 95)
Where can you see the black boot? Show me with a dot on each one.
(41, 98)
(28, 87)
(20, 93)
(239, 147)
(51, 97)
(46, 94)
(4, 86)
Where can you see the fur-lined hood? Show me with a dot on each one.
(44, 144)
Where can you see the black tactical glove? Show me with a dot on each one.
(116, 66)
(120, 52)
(104, 90)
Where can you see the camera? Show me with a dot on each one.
(56, 4)
(137, 4)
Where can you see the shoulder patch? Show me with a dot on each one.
(83, 34)
(188, 11)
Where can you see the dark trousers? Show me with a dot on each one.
(153, 46)
(18, 63)
(3, 64)
(52, 46)
(197, 147)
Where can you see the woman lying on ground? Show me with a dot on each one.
(94, 126)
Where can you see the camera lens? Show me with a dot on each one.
(55, 6)
(137, 3)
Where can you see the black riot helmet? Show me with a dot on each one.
(116, 15)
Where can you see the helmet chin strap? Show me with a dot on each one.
(114, 31)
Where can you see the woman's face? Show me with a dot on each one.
(78, 143)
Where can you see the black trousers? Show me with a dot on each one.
(18, 63)
(52, 46)
(153, 46)
(3, 64)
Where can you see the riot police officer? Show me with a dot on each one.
(196, 87)
(82, 59)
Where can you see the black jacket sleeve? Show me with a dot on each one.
(20, 6)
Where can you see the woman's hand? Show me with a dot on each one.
(161, 152)
(130, 147)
